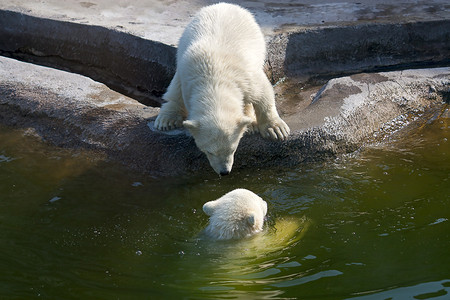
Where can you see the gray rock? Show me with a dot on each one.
(334, 51)
(130, 46)
(131, 65)
(70, 110)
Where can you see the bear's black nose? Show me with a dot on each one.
(225, 172)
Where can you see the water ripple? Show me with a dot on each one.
(4, 158)
(306, 279)
(435, 290)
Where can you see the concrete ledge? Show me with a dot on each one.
(142, 68)
(70, 110)
(131, 65)
(335, 51)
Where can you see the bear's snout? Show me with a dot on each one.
(224, 172)
(221, 165)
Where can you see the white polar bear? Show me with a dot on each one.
(219, 85)
(235, 215)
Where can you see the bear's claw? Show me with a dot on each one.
(277, 130)
(165, 123)
(252, 128)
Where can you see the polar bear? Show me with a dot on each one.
(237, 214)
(219, 89)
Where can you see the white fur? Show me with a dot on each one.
(235, 215)
(218, 82)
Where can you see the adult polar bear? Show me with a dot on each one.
(218, 82)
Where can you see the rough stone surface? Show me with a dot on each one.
(70, 110)
(365, 47)
(131, 65)
(129, 45)
(164, 20)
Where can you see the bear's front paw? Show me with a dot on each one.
(275, 130)
(166, 122)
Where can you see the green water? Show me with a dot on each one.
(374, 225)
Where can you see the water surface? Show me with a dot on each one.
(372, 225)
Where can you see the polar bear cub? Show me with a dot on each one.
(235, 215)
(219, 89)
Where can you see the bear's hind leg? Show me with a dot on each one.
(171, 113)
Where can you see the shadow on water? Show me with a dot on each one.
(369, 225)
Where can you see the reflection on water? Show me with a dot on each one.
(428, 290)
(372, 225)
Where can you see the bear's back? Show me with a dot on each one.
(225, 27)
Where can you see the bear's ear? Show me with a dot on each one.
(209, 207)
(264, 206)
(251, 219)
(191, 124)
